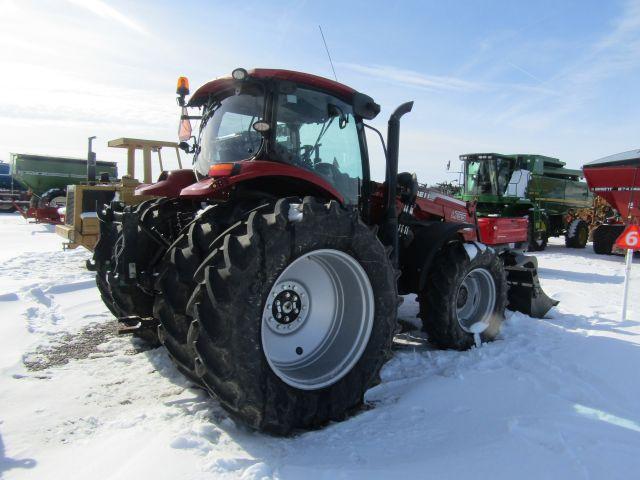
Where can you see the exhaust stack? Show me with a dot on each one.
(91, 163)
(390, 231)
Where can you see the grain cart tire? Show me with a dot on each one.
(294, 315)
(577, 234)
(7, 207)
(465, 293)
(537, 240)
(56, 197)
(604, 237)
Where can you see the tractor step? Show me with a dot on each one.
(410, 341)
(133, 324)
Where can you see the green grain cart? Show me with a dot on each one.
(538, 187)
(48, 176)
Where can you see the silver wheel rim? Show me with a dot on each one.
(59, 201)
(475, 301)
(317, 319)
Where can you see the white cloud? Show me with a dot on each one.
(578, 83)
(412, 78)
(104, 10)
(444, 84)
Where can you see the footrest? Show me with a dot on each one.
(133, 324)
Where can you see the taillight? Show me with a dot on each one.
(223, 169)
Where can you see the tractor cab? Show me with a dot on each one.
(491, 174)
(294, 119)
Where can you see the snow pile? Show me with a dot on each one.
(554, 398)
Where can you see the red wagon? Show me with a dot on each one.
(616, 179)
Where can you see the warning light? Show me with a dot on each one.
(183, 86)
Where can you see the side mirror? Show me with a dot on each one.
(186, 147)
(364, 106)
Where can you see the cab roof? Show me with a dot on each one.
(223, 83)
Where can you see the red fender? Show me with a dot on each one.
(220, 185)
(169, 184)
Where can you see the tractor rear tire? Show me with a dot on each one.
(463, 295)
(316, 369)
(604, 237)
(175, 281)
(175, 284)
(577, 234)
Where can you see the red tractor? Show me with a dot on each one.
(272, 271)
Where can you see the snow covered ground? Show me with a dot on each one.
(556, 398)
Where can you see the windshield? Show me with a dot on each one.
(480, 177)
(318, 132)
(504, 168)
(226, 133)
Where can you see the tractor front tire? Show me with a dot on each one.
(465, 293)
(577, 234)
(124, 302)
(294, 315)
(125, 299)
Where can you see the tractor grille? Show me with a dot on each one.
(71, 194)
(95, 200)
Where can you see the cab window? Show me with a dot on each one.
(318, 132)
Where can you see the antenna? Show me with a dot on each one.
(328, 54)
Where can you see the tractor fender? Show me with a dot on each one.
(169, 184)
(277, 178)
(428, 239)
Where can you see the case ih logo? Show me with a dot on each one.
(458, 215)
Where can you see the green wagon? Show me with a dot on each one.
(42, 173)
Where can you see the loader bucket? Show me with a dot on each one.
(525, 293)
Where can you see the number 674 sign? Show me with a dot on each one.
(630, 238)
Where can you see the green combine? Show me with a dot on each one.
(538, 187)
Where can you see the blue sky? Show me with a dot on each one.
(556, 78)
